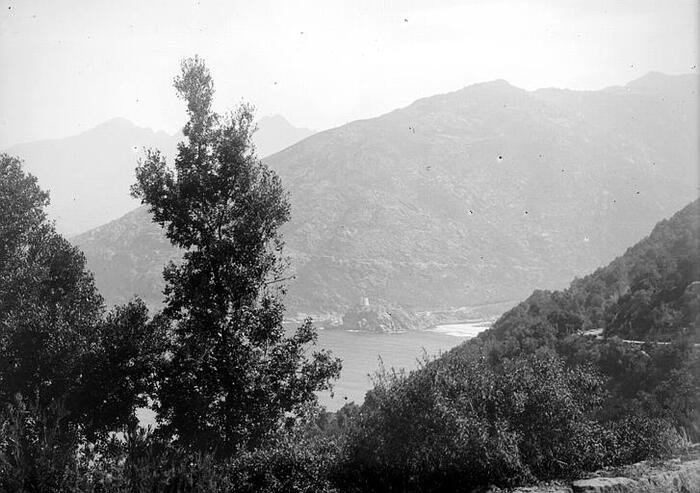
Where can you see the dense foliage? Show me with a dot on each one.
(462, 421)
(234, 374)
(68, 371)
(651, 292)
(57, 346)
(49, 307)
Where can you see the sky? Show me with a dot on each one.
(66, 66)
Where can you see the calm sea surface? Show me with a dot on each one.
(361, 352)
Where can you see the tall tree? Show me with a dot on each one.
(49, 306)
(57, 345)
(234, 373)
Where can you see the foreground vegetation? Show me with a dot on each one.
(533, 398)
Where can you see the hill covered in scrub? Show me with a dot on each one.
(652, 292)
(460, 199)
(535, 398)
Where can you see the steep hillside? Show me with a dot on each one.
(127, 257)
(567, 402)
(652, 292)
(89, 175)
(465, 198)
(648, 294)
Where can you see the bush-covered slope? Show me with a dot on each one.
(533, 398)
(652, 292)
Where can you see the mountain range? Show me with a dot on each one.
(89, 175)
(458, 200)
(468, 197)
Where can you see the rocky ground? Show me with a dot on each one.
(681, 474)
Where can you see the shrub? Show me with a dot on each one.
(461, 421)
(38, 448)
(290, 462)
(141, 461)
(637, 438)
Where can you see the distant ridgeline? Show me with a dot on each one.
(458, 200)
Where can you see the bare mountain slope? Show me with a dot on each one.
(460, 199)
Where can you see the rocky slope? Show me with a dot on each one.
(680, 475)
(460, 199)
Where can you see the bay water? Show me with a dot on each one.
(362, 352)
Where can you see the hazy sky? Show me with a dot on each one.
(66, 66)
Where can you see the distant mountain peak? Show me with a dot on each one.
(116, 123)
(496, 83)
(660, 82)
(653, 76)
(276, 118)
(114, 127)
(89, 174)
(276, 133)
(492, 86)
(497, 91)
(120, 125)
(279, 121)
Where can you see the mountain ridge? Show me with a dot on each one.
(89, 174)
(464, 198)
